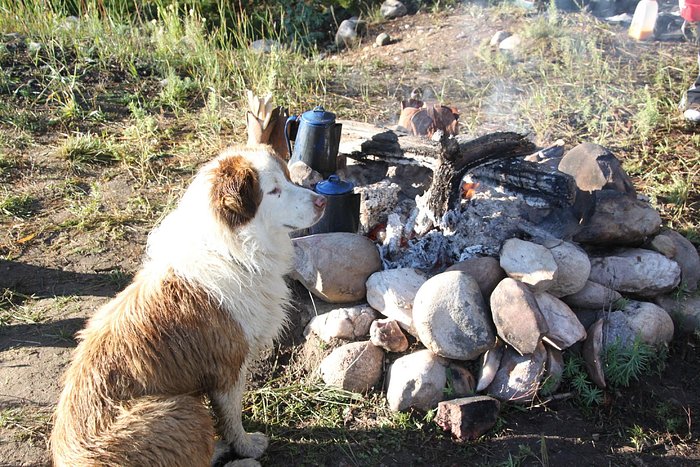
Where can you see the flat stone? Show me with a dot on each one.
(593, 353)
(416, 380)
(392, 292)
(594, 167)
(593, 296)
(490, 363)
(354, 367)
(518, 378)
(335, 266)
(553, 370)
(529, 263)
(468, 418)
(644, 273)
(451, 318)
(517, 317)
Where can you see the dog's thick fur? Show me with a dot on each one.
(210, 295)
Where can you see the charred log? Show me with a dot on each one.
(458, 156)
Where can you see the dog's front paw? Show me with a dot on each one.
(251, 445)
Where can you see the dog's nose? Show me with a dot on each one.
(320, 202)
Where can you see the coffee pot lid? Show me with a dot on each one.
(334, 186)
(318, 117)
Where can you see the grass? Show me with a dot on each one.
(28, 425)
(17, 308)
(19, 206)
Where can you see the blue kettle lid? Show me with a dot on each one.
(318, 117)
(334, 186)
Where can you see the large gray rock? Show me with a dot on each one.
(595, 168)
(391, 9)
(353, 367)
(593, 296)
(618, 219)
(451, 318)
(416, 380)
(518, 378)
(644, 273)
(485, 270)
(342, 323)
(573, 269)
(392, 293)
(651, 323)
(469, 417)
(517, 316)
(564, 327)
(684, 253)
(529, 263)
(349, 32)
(685, 312)
(335, 266)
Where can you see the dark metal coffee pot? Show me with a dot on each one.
(316, 138)
(342, 212)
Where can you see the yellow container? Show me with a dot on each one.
(644, 20)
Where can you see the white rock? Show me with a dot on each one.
(490, 363)
(354, 367)
(342, 323)
(335, 266)
(451, 317)
(564, 327)
(529, 263)
(510, 43)
(392, 293)
(416, 380)
(498, 37)
(636, 271)
(573, 269)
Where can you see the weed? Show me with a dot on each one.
(118, 278)
(28, 425)
(87, 148)
(625, 363)
(20, 206)
(16, 307)
(587, 394)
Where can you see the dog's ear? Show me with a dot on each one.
(236, 192)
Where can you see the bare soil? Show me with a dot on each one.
(60, 274)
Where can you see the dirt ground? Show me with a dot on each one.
(58, 277)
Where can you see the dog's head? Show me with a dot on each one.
(252, 186)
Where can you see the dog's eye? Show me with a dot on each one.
(275, 191)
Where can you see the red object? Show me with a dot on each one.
(690, 10)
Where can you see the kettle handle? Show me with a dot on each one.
(287, 127)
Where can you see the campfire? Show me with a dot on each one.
(480, 263)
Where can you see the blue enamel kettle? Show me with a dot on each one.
(316, 138)
(342, 212)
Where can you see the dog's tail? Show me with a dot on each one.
(152, 431)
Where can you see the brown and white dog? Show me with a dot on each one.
(209, 296)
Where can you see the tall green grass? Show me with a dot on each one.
(176, 41)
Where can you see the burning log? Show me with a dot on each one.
(458, 155)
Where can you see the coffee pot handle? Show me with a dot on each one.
(291, 120)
